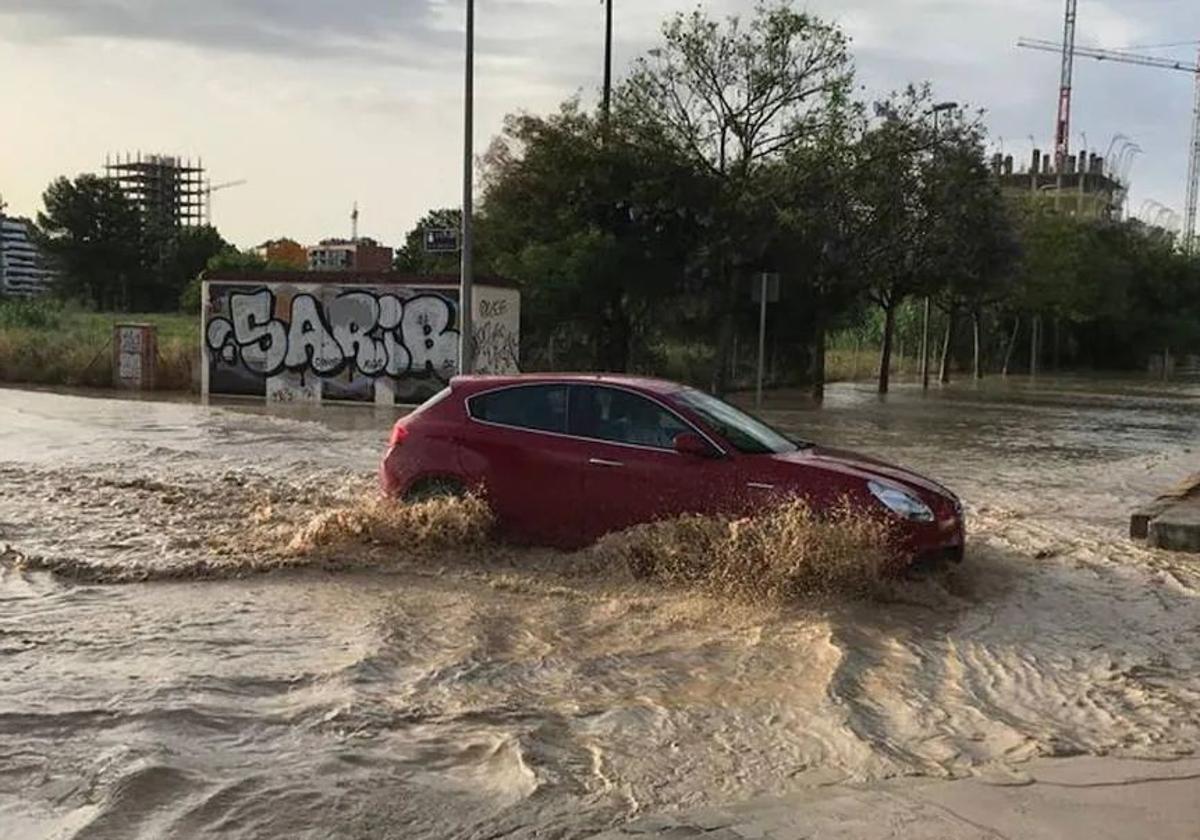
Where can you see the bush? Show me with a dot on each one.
(31, 313)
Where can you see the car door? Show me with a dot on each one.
(516, 445)
(632, 472)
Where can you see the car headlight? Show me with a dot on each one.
(901, 502)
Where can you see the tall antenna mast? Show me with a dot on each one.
(1062, 126)
(354, 223)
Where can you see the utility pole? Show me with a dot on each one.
(608, 57)
(937, 109)
(466, 345)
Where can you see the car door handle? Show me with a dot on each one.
(600, 462)
(754, 485)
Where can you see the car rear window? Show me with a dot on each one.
(538, 407)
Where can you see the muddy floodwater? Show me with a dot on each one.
(156, 681)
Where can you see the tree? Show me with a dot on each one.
(893, 211)
(930, 219)
(815, 227)
(94, 234)
(733, 99)
(976, 246)
(194, 249)
(596, 225)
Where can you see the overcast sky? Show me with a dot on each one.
(321, 103)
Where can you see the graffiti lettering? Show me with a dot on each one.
(493, 308)
(496, 348)
(372, 334)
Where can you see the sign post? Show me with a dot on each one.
(767, 291)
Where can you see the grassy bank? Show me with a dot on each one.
(45, 343)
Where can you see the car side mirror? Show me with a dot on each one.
(692, 444)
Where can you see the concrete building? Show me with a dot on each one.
(284, 254)
(1085, 186)
(169, 192)
(349, 255)
(23, 269)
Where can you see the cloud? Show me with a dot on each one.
(383, 77)
(399, 32)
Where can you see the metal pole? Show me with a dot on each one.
(762, 343)
(1193, 178)
(925, 347)
(608, 57)
(466, 361)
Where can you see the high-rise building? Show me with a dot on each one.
(1084, 187)
(23, 269)
(169, 192)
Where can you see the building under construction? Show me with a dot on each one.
(1085, 185)
(169, 192)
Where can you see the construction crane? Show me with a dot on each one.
(1125, 57)
(1062, 124)
(211, 188)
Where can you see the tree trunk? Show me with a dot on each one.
(947, 346)
(885, 352)
(976, 361)
(1012, 345)
(1057, 342)
(818, 362)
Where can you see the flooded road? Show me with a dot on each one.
(496, 692)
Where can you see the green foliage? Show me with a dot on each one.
(92, 232)
(30, 313)
(222, 258)
(597, 227)
(69, 345)
(231, 259)
(108, 257)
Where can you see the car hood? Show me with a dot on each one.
(856, 465)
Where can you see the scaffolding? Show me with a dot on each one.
(169, 192)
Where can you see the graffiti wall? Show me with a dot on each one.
(382, 343)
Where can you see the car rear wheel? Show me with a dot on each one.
(435, 488)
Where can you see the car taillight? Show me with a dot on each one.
(399, 433)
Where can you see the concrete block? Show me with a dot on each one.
(1178, 529)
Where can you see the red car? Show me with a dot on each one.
(564, 460)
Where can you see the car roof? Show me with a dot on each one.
(639, 383)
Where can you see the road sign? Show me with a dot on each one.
(441, 241)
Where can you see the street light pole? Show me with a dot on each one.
(608, 57)
(466, 361)
(937, 109)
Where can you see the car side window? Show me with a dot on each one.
(539, 407)
(622, 417)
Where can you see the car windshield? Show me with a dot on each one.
(743, 432)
